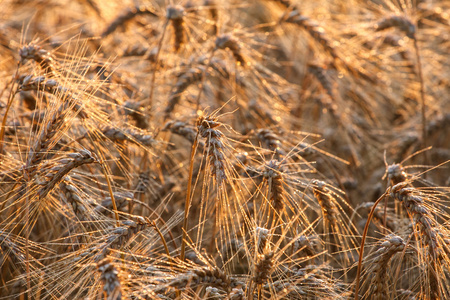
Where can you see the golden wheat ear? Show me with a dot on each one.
(175, 14)
(110, 279)
(40, 56)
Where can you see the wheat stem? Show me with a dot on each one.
(363, 240)
(188, 198)
(8, 107)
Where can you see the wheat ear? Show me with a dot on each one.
(407, 26)
(207, 129)
(127, 16)
(176, 16)
(389, 247)
(110, 277)
(39, 55)
(62, 168)
(227, 41)
(190, 77)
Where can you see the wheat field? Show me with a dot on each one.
(208, 149)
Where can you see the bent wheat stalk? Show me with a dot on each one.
(363, 241)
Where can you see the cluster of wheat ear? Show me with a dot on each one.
(208, 149)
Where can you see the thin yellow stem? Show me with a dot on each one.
(188, 198)
(108, 181)
(422, 101)
(8, 107)
(361, 250)
(162, 238)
